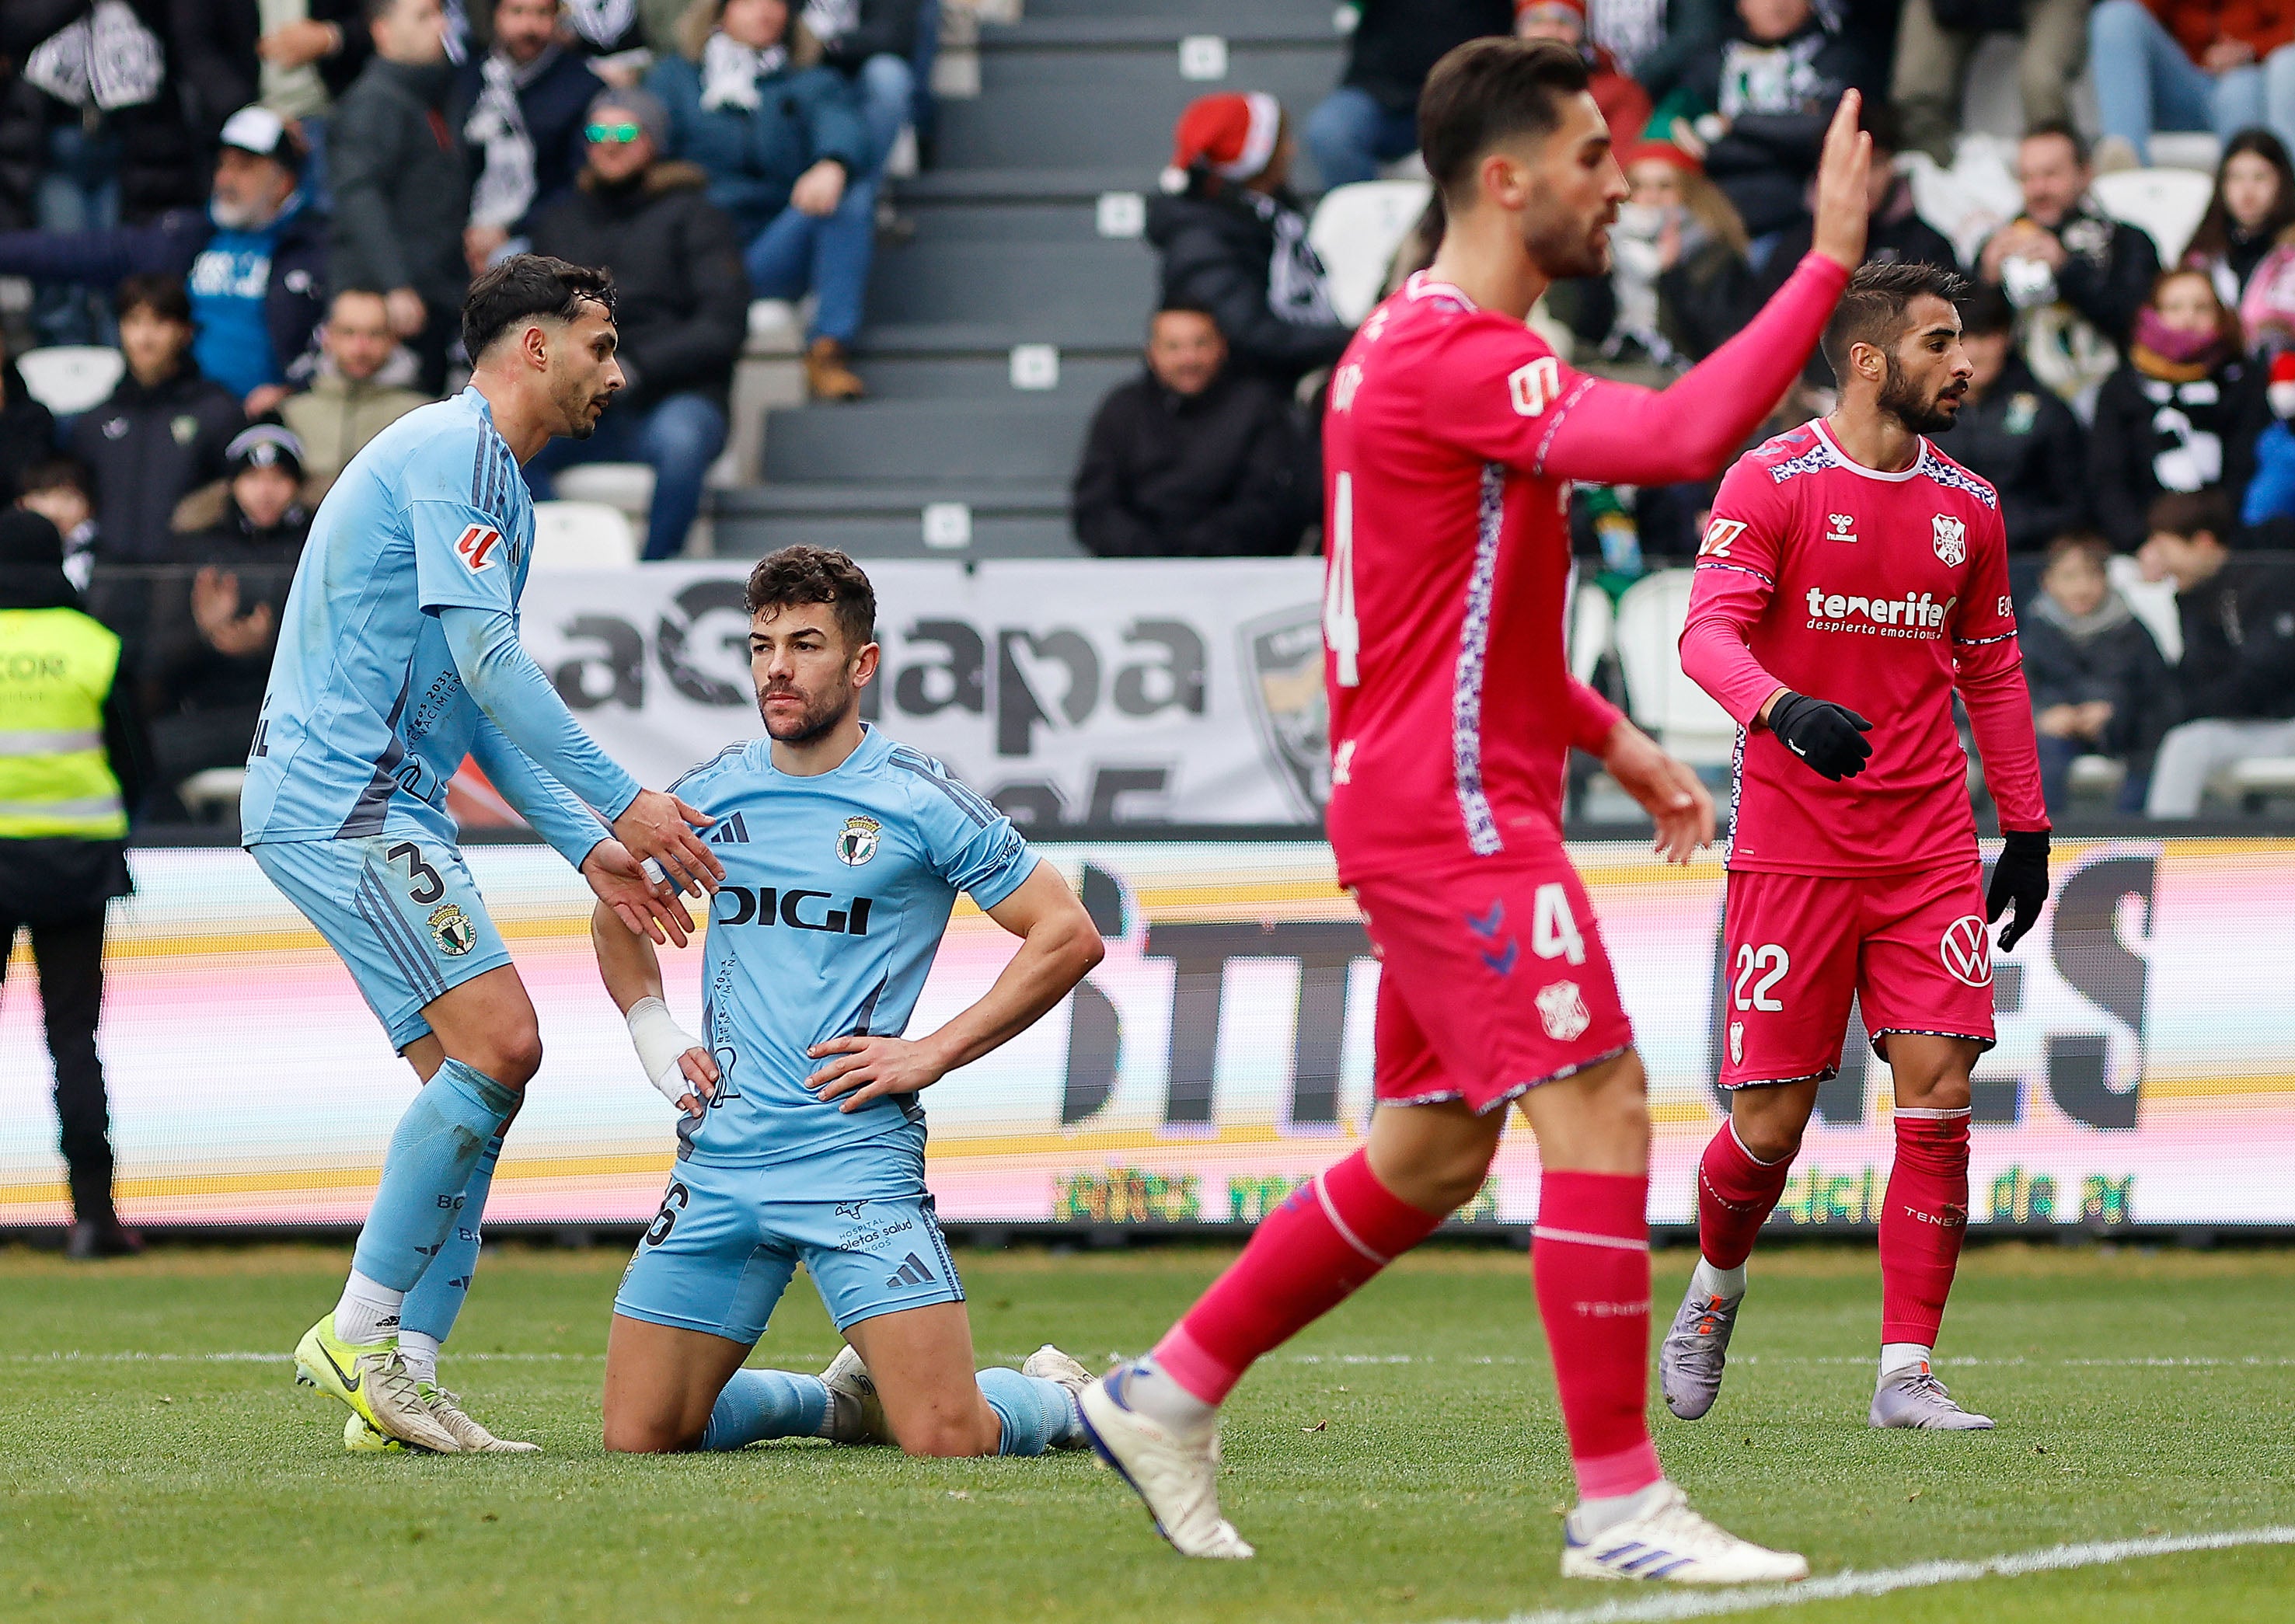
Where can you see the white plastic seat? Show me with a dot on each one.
(1356, 229)
(70, 378)
(2166, 203)
(582, 535)
(1591, 622)
(2098, 774)
(2152, 601)
(212, 796)
(627, 486)
(1660, 697)
(2261, 775)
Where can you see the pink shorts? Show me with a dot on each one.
(1492, 980)
(1913, 947)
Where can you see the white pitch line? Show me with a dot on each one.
(252, 1357)
(2055, 1558)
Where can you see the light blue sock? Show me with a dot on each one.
(759, 1404)
(1037, 1414)
(433, 1305)
(433, 1152)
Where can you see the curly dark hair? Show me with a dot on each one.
(816, 575)
(527, 285)
(1871, 309)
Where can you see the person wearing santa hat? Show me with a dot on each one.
(1234, 240)
(1625, 105)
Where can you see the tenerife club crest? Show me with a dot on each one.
(1951, 539)
(856, 842)
(1283, 682)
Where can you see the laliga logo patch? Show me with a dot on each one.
(451, 930)
(1563, 1010)
(1736, 1042)
(475, 547)
(1967, 951)
(856, 842)
(1951, 539)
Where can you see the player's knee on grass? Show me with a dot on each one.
(645, 1435)
(952, 1436)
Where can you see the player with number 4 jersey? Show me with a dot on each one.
(1452, 437)
(1853, 580)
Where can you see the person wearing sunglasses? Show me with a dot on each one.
(682, 312)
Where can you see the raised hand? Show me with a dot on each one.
(1841, 171)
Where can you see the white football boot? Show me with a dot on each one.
(1665, 1539)
(1177, 1479)
(1049, 1364)
(853, 1391)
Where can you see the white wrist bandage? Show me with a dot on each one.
(661, 1043)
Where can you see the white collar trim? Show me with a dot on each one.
(1842, 458)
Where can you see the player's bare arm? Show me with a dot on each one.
(1058, 946)
(1665, 788)
(675, 1064)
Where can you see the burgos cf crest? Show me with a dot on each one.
(1951, 539)
(856, 842)
(451, 930)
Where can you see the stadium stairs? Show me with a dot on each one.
(965, 434)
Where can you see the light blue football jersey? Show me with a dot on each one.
(837, 889)
(366, 718)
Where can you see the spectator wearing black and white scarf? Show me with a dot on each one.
(521, 108)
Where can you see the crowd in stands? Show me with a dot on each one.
(2123, 407)
(272, 208)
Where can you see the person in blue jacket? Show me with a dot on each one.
(789, 156)
(255, 261)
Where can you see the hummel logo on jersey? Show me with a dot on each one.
(1840, 528)
(912, 1272)
(731, 831)
(476, 545)
(1914, 615)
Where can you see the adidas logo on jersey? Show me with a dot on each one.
(912, 1272)
(729, 832)
(1914, 615)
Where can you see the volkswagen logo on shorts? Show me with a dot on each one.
(1967, 951)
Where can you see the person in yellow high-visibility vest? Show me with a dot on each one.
(68, 774)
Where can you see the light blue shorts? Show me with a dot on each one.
(718, 1256)
(402, 912)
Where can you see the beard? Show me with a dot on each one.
(1901, 399)
(1560, 246)
(823, 712)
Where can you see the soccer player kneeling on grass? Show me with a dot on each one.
(803, 1139)
(1853, 571)
(1452, 437)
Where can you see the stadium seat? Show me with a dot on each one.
(582, 535)
(70, 378)
(213, 796)
(1661, 698)
(624, 486)
(2261, 776)
(2167, 203)
(1356, 229)
(1591, 621)
(2153, 603)
(2097, 774)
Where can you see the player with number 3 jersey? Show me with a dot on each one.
(1853, 580)
(399, 655)
(1452, 437)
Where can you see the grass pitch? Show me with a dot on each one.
(1401, 1461)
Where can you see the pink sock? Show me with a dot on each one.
(1590, 1258)
(1332, 1234)
(1735, 1194)
(1923, 1223)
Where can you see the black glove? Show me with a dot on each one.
(1830, 737)
(2021, 879)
